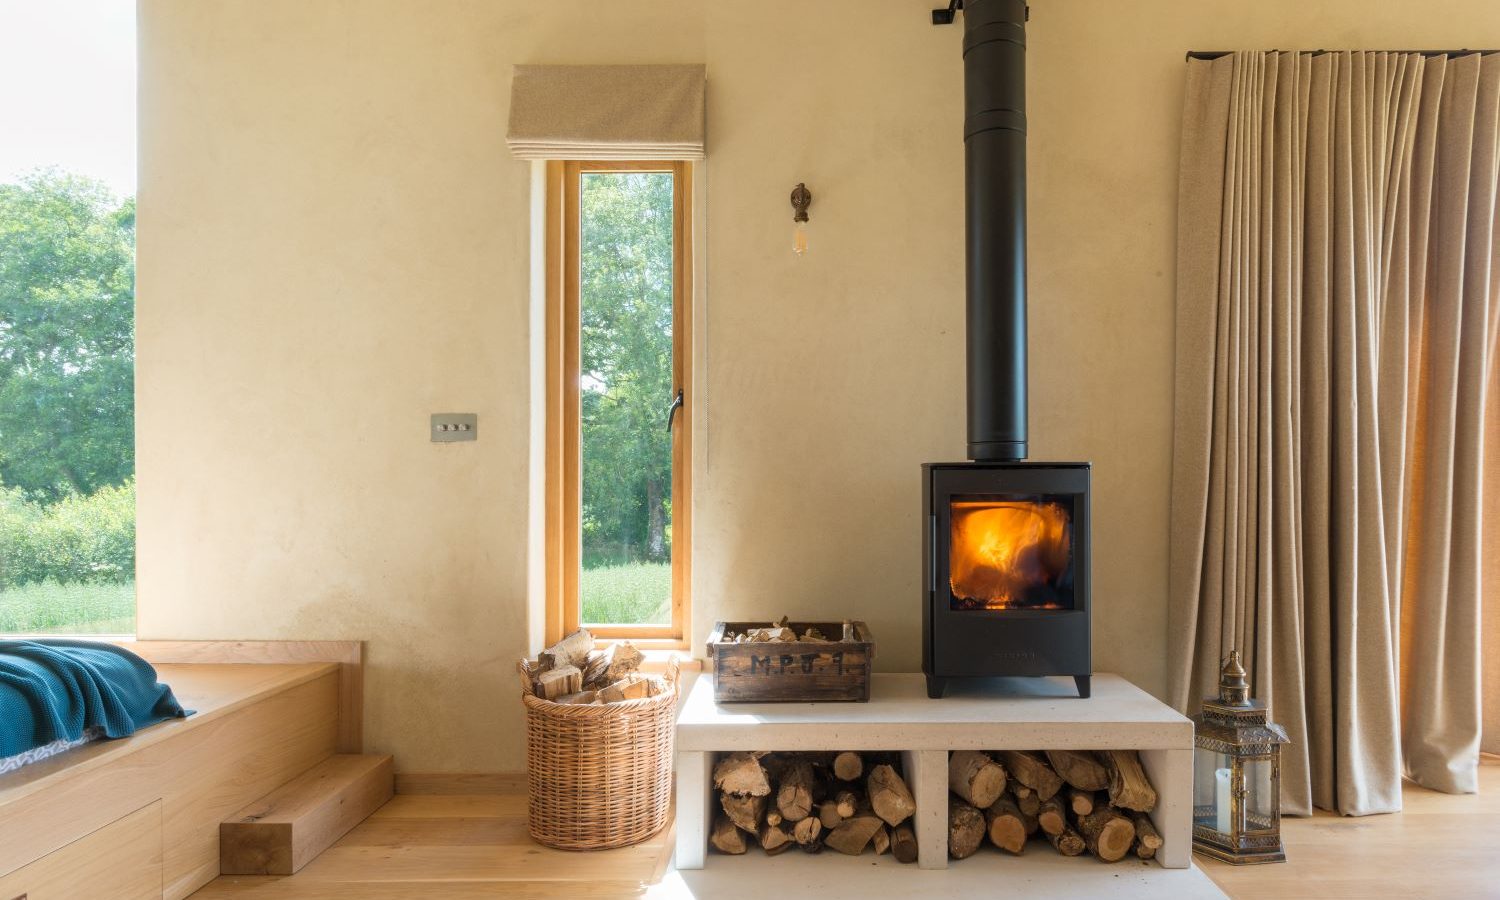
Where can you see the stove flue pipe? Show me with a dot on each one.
(995, 240)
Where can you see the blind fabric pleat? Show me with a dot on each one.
(607, 112)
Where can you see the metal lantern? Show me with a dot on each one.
(1237, 775)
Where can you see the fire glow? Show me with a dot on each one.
(1009, 554)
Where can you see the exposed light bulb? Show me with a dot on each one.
(799, 239)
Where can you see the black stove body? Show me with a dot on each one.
(1006, 571)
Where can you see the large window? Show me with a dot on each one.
(67, 316)
(618, 406)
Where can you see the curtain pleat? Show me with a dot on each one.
(1335, 335)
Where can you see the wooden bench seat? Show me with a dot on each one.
(257, 726)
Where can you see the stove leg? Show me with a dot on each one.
(936, 686)
(1083, 685)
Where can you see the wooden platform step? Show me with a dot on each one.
(286, 829)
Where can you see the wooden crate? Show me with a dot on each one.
(788, 672)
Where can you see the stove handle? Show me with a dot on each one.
(932, 554)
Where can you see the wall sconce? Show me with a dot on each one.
(801, 199)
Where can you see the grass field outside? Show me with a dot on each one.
(630, 594)
(50, 608)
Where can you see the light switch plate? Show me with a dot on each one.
(448, 427)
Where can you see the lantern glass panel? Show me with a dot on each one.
(1212, 774)
(1260, 795)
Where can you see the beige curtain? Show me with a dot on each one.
(607, 112)
(1337, 311)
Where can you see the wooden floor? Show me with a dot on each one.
(1439, 845)
(457, 847)
(454, 847)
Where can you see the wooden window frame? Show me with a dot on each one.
(564, 484)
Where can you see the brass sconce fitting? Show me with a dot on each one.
(801, 198)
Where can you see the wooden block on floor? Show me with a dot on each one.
(286, 829)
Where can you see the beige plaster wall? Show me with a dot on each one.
(334, 243)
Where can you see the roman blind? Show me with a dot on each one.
(606, 112)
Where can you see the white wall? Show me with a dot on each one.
(333, 243)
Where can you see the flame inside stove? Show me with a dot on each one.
(1010, 554)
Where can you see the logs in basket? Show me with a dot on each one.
(599, 774)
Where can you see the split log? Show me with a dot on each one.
(774, 840)
(744, 810)
(848, 766)
(794, 797)
(1005, 825)
(847, 803)
(1027, 800)
(1147, 838)
(1053, 816)
(1030, 769)
(806, 830)
(741, 773)
(773, 817)
(1068, 842)
(612, 664)
(1081, 769)
(1029, 819)
(904, 844)
(582, 698)
(572, 650)
(1082, 802)
(852, 836)
(775, 765)
(881, 840)
(627, 658)
(559, 681)
(975, 777)
(726, 838)
(595, 665)
(1129, 788)
(889, 795)
(965, 829)
(631, 687)
(1107, 834)
(829, 815)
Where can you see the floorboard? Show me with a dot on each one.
(464, 847)
(1439, 845)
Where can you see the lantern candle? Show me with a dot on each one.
(1221, 799)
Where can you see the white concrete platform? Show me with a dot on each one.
(995, 714)
(1039, 874)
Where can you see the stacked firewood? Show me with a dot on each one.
(846, 802)
(1077, 800)
(572, 671)
(781, 631)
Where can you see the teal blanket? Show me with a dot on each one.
(53, 689)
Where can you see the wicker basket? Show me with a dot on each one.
(598, 776)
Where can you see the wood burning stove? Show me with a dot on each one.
(1006, 571)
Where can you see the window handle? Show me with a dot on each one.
(672, 410)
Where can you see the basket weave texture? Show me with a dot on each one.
(598, 776)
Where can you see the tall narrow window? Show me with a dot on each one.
(67, 317)
(619, 329)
